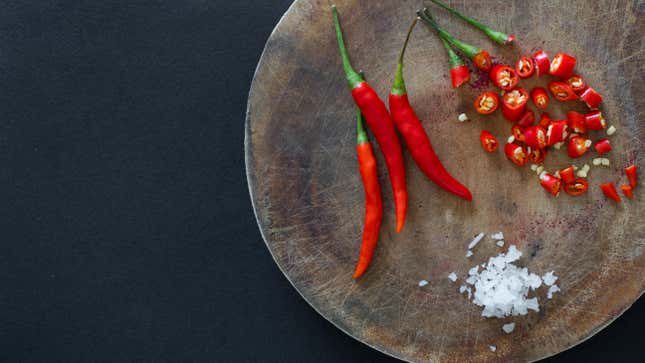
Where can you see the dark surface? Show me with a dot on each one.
(128, 231)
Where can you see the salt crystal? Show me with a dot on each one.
(508, 328)
(475, 241)
(462, 117)
(492, 348)
(452, 277)
(552, 290)
(500, 243)
(423, 283)
(462, 288)
(549, 278)
(497, 236)
(469, 253)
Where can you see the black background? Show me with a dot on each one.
(127, 230)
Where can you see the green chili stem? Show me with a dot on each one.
(496, 36)
(469, 50)
(453, 58)
(353, 78)
(399, 83)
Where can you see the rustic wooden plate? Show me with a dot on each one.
(308, 198)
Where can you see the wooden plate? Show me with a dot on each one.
(305, 187)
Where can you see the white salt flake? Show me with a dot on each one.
(462, 289)
(549, 278)
(475, 241)
(469, 253)
(499, 235)
(423, 283)
(510, 139)
(452, 277)
(462, 117)
(500, 243)
(508, 328)
(492, 348)
(552, 290)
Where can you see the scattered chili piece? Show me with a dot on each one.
(514, 104)
(595, 121)
(373, 202)
(562, 65)
(577, 122)
(542, 63)
(516, 154)
(525, 67)
(537, 156)
(535, 137)
(486, 103)
(557, 132)
(504, 77)
(479, 57)
(627, 190)
(540, 97)
(578, 146)
(488, 141)
(576, 187)
(415, 136)
(632, 175)
(459, 72)
(567, 175)
(518, 132)
(577, 83)
(602, 146)
(562, 92)
(610, 191)
(550, 183)
(379, 121)
(496, 36)
(545, 119)
(527, 119)
(591, 98)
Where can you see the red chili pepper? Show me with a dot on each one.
(628, 191)
(415, 136)
(514, 104)
(562, 65)
(525, 67)
(542, 63)
(518, 132)
(610, 191)
(591, 98)
(545, 120)
(504, 77)
(595, 121)
(537, 156)
(373, 202)
(577, 83)
(480, 58)
(486, 103)
(576, 187)
(562, 92)
(578, 146)
(535, 137)
(632, 175)
(557, 132)
(527, 119)
(602, 146)
(516, 154)
(459, 72)
(577, 123)
(496, 36)
(567, 175)
(379, 121)
(540, 97)
(550, 183)
(488, 141)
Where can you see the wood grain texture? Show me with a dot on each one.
(308, 199)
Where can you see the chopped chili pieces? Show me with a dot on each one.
(504, 77)
(516, 154)
(550, 183)
(591, 98)
(577, 83)
(488, 141)
(487, 103)
(562, 92)
(540, 97)
(525, 67)
(576, 122)
(610, 191)
(602, 146)
(578, 146)
(562, 65)
(576, 187)
(632, 175)
(514, 104)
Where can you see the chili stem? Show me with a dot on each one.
(399, 83)
(496, 36)
(469, 50)
(353, 78)
(453, 58)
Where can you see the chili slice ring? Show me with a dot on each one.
(562, 91)
(525, 67)
(487, 103)
(504, 77)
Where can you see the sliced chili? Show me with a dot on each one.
(459, 71)
(498, 37)
(525, 67)
(562, 92)
(488, 141)
(595, 121)
(591, 98)
(514, 104)
(550, 183)
(516, 154)
(537, 156)
(557, 132)
(504, 77)
(632, 175)
(578, 146)
(518, 132)
(628, 191)
(610, 191)
(576, 122)
(486, 103)
(545, 119)
(577, 83)
(535, 137)
(576, 187)
(602, 146)
(542, 63)
(562, 65)
(540, 97)
(527, 119)
(567, 175)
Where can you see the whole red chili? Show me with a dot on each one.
(518, 132)
(567, 175)
(415, 136)
(535, 137)
(379, 121)
(545, 120)
(610, 191)
(540, 97)
(516, 154)
(578, 146)
(628, 191)
(537, 156)
(480, 58)
(576, 122)
(550, 183)
(591, 98)
(514, 104)
(562, 92)
(488, 141)
(459, 72)
(525, 67)
(486, 103)
(632, 175)
(557, 132)
(496, 36)
(527, 119)
(595, 121)
(562, 65)
(602, 146)
(576, 187)
(504, 77)
(373, 201)
(542, 63)
(577, 83)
